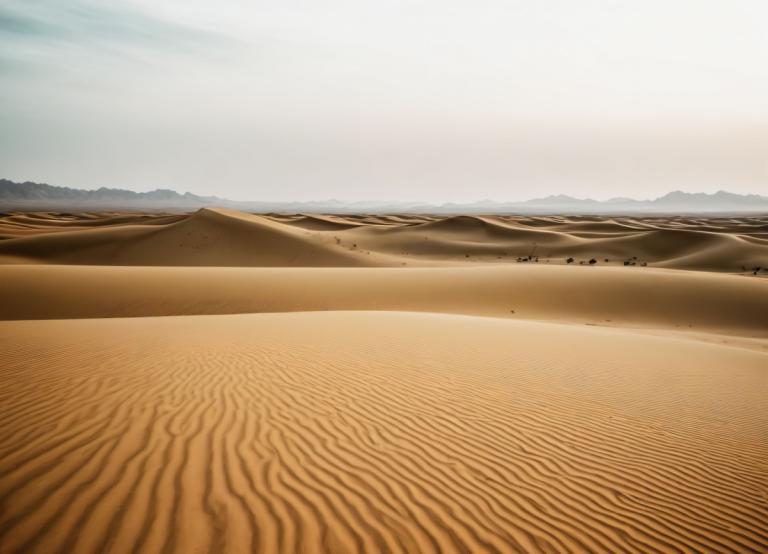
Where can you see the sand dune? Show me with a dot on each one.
(207, 238)
(214, 237)
(224, 382)
(22, 224)
(376, 432)
(321, 223)
(698, 301)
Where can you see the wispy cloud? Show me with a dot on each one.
(33, 31)
(422, 98)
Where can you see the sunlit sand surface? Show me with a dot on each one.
(223, 382)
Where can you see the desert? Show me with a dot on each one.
(361, 277)
(222, 381)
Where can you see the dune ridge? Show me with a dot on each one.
(218, 237)
(727, 304)
(208, 238)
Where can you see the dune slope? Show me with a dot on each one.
(710, 302)
(373, 432)
(217, 237)
(207, 238)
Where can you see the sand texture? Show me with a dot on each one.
(259, 387)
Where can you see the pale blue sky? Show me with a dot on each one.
(421, 100)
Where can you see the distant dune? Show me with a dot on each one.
(228, 382)
(219, 237)
(208, 237)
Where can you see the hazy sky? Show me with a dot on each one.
(438, 100)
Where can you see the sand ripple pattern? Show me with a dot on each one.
(366, 432)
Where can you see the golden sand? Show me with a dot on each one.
(165, 392)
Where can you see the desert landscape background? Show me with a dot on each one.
(220, 381)
(359, 277)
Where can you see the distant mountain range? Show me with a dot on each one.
(40, 196)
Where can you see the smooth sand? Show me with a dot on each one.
(651, 298)
(458, 407)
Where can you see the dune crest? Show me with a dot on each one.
(209, 237)
(662, 299)
(220, 237)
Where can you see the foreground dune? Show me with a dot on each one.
(368, 432)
